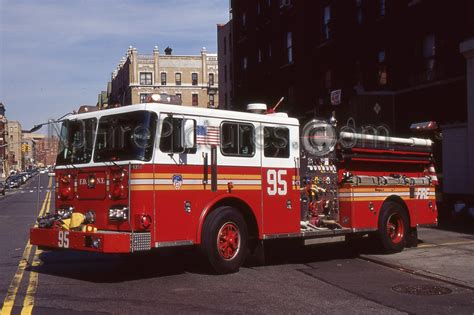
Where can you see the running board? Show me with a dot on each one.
(313, 234)
(324, 240)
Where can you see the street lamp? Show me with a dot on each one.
(38, 127)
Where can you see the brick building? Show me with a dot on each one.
(3, 142)
(46, 151)
(14, 140)
(29, 145)
(224, 38)
(391, 61)
(194, 79)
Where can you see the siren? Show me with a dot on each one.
(257, 108)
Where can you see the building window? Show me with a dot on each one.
(194, 78)
(143, 97)
(289, 47)
(179, 95)
(382, 8)
(237, 139)
(211, 101)
(178, 78)
(326, 22)
(429, 55)
(211, 78)
(382, 68)
(360, 12)
(195, 100)
(146, 78)
(163, 78)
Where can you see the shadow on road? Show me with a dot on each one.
(113, 268)
(102, 268)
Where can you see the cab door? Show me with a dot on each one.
(280, 192)
(173, 185)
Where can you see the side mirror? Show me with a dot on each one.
(429, 129)
(424, 126)
(189, 133)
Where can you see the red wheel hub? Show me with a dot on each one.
(228, 241)
(395, 228)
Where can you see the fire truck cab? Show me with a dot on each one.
(155, 175)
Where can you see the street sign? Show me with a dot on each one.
(336, 97)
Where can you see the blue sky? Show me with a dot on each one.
(58, 54)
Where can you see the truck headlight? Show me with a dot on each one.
(65, 212)
(118, 213)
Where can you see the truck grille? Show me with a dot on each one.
(140, 242)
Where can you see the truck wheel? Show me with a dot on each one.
(224, 240)
(393, 227)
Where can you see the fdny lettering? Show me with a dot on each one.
(99, 180)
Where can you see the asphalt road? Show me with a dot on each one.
(329, 279)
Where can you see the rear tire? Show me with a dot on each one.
(224, 240)
(393, 227)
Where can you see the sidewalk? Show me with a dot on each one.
(441, 254)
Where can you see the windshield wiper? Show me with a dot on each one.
(120, 167)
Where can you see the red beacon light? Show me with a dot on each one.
(163, 99)
(66, 191)
(119, 185)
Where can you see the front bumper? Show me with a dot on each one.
(101, 241)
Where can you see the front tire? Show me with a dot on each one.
(393, 227)
(225, 239)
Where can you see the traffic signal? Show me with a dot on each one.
(25, 147)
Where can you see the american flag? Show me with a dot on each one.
(208, 135)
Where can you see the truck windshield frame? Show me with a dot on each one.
(126, 136)
(76, 141)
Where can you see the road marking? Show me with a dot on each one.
(47, 199)
(29, 301)
(9, 301)
(15, 284)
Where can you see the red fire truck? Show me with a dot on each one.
(156, 175)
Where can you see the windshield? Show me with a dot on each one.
(76, 141)
(127, 136)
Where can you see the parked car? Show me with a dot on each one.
(2, 188)
(25, 176)
(14, 181)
